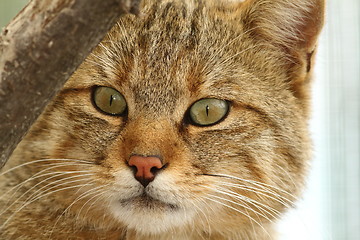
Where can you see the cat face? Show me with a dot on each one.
(189, 115)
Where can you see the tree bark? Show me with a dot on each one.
(40, 49)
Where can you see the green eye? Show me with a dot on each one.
(109, 100)
(208, 111)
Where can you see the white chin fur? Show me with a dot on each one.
(150, 221)
(155, 217)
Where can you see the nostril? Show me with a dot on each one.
(145, 168)
(155, 170)
(133, 168)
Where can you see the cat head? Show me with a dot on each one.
(193, 114)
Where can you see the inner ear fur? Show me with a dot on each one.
(292, 23)
(294, 26)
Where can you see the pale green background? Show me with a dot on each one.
(330, 209)
(9, 8)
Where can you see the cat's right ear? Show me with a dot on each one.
(291, 23)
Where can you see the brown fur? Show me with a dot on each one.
(231, 180)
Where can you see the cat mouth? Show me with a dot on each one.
(148, 202)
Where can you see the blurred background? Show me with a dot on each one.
(330, 208)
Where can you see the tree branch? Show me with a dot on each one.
(39, 50)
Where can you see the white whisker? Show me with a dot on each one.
(33, 200)
(202, 212)
(93, 203)
(262, 192)
(38, 175)
(80, 197)
(57, 183)
(262, 207)
(45, 160)
(256, 183)
(237, 210)
(52, 175)
(96, 195)
(39, 190)
(242, 204)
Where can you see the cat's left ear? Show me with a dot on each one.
(293, 25)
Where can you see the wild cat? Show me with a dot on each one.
(186, 122)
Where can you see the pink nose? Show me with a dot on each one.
(146, 168)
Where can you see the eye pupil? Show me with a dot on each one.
(207, 110)
(111, 99)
